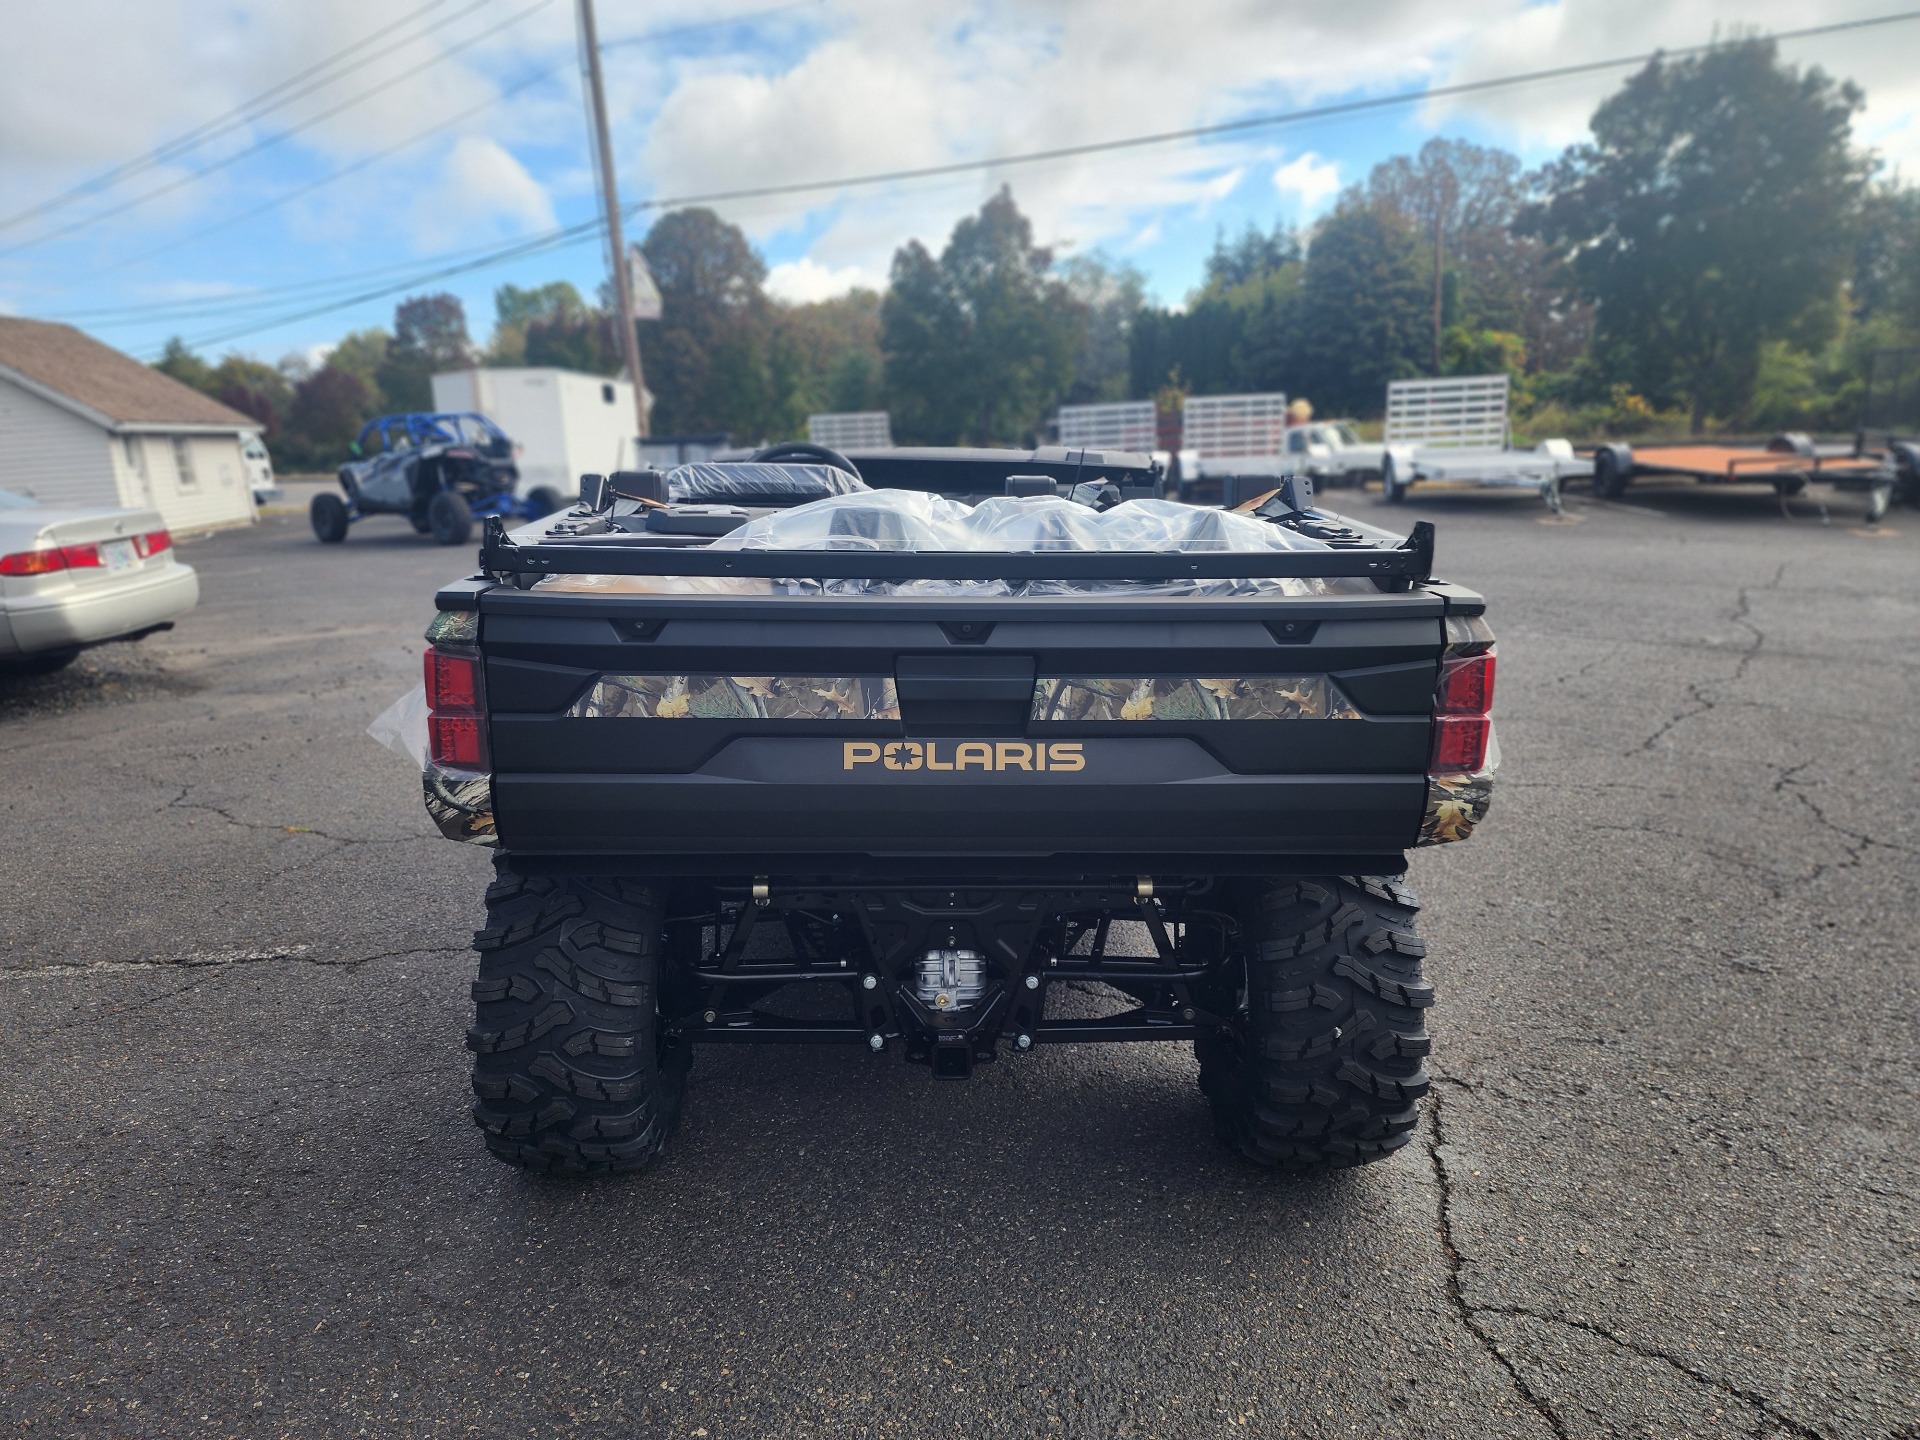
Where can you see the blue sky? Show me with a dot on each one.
(451, 129)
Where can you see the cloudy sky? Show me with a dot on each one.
(147, 191)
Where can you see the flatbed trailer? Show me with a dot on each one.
(1456, 429)
(1788, 463)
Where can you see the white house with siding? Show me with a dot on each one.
(83, 424)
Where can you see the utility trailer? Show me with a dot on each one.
(1457, 429)
(1788, 462)
(932, 764)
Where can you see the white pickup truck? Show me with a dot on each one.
(1330, 452)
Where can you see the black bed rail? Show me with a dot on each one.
(500, 558)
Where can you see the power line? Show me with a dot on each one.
(270, 141)
(221, 124)
(366, 161)
(1256, 122)
(576, 233)
(524, 83)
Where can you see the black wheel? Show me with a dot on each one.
(450, 518)
(328, 516)
(572, 1071)
(45, 663)
(1393, 489)
(544, 500)
(1906, 469)
(1609, 473)
(1327, 1058)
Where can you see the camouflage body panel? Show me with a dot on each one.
(461, 804)
(1455, 804)
(454, 627)
(1468, 635)
(740, 697)
(1268, 697)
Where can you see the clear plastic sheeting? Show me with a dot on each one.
(913, 520)
(402, 726)
(909, 520)
(747, 483)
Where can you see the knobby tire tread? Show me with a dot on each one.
(570, 1073)
(1328, 1058)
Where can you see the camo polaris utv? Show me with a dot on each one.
(812, 749)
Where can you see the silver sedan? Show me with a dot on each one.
(74, 578)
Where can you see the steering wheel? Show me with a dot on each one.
(805, 450)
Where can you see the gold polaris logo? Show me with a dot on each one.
(968, 755)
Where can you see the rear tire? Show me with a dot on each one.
(571, 1069)
(544, 500)
(47, 662)
(328, 516)
(1327, 1058)
(450, 518)
(1609, 474)
(1393, 489)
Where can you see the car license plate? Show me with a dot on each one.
(119, 555)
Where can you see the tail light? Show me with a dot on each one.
(1466, 685)
(152, 543)
(51, 560)
(1463, 700)
(456, 728)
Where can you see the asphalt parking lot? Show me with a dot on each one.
(1664, 1186)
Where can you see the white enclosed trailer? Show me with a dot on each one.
(1458, 429)
(563, 423)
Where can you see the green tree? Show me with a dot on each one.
(708, 358)
(827, 356)
(185, 366)
(429, 338)
(981, 342)
(361, 353)
(1714, 210)
(1112, 294)
(551, 325)
(1363, 315)
(1460, 201)
(253, 388)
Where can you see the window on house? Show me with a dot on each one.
(606, 393)
(183, 463)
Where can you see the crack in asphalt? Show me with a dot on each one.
(219, 960)
(1469, 1313)
(1702, 702)
(180, 802)
(1456, 1294)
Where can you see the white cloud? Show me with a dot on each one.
(805, 280)
(1309, 179)
(1542, 117)
(482, 189)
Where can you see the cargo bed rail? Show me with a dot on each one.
(503, 560)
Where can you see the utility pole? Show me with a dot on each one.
(1439, 254)
(610, 204)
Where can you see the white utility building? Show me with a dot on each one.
(563, 423)
(81, 424)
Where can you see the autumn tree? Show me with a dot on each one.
(429, 338)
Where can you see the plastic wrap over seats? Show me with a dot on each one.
(751, 484)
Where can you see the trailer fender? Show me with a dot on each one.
(1612, 471)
